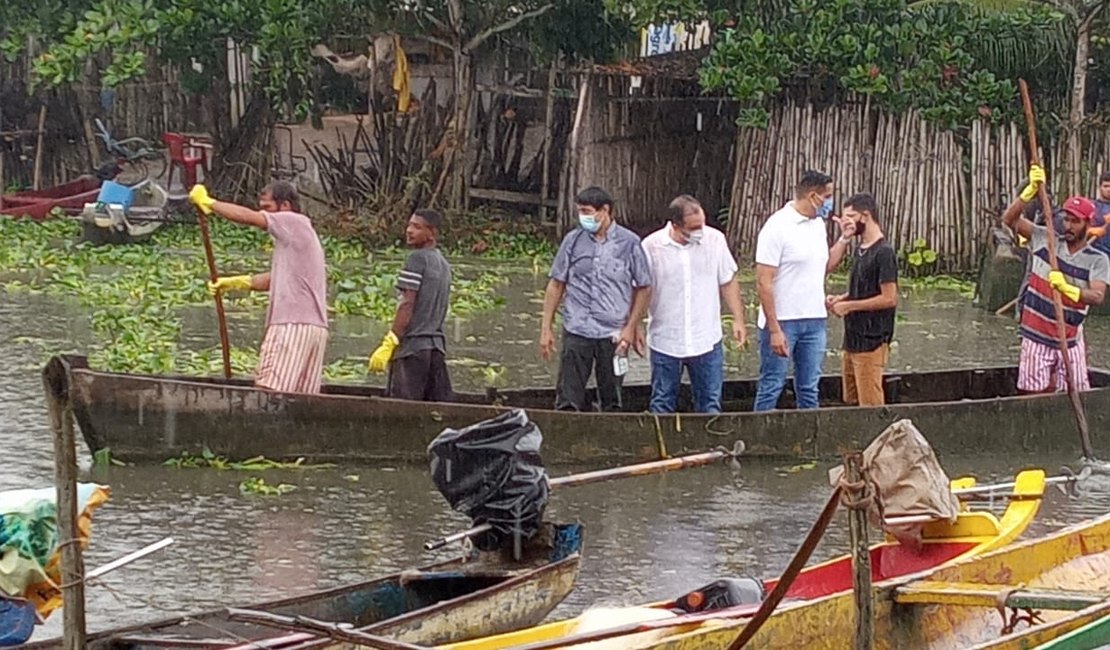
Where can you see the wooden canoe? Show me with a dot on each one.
(144, 418)
(37, 204)
(439, 603)
(973, 533)
(1089, 637)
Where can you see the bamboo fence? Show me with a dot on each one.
(940, 186)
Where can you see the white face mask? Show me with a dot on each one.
(695, 236)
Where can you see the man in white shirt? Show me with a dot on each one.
(691, 269)
(792, 257)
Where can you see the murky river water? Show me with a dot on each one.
(647, 538)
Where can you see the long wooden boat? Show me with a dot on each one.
(37, 204)
(982, 603)
(145, 418)
(972, 534)
(440, 603)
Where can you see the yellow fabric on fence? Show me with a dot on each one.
(401, 79)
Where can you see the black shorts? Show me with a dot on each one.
(421, 376)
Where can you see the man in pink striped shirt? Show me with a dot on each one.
(292, 356)
(1081, 280)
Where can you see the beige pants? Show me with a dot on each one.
(862, 376)
(292, 358)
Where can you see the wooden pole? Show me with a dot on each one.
(857, 494)
(597, 476)
(3, 187)
(38, 149)
(1061, 332)
(797, 563)
(548, 140)
(225, 345)
(56, 385)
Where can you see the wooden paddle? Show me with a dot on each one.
(759, 614)
(225, 346)
(1062, 340)
(791, 573)
(639, 469)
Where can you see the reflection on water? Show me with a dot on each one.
(647, 538)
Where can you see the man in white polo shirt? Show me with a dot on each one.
(792, 257)
(691, 269)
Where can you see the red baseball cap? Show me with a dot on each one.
(1080, 207)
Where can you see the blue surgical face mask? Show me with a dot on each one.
(588, 222)
(826, 208)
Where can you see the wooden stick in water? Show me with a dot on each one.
(55, 381)
(861, 550)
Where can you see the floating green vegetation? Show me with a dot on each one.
(103, 458)
(209, 460)
(136, 294)
(258, 485)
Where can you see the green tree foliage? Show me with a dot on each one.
(876, 48)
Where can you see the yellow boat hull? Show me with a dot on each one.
(805, 624)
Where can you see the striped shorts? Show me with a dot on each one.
(292, 358)
(1040, 369)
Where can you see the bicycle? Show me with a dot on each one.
(133, 159)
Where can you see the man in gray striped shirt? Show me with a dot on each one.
(415, 347)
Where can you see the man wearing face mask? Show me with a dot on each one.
(603, 275)
(691, 270)
(792, 257)
(868, 307)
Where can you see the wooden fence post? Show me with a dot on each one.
(56, 384)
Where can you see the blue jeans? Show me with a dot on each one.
(805, 340)
(707, 375)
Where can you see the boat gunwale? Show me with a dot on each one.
(110, 635)
(219, 384)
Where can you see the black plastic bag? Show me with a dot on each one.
(492, 472)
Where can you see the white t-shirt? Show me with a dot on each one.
(796, 245)
(685, 307)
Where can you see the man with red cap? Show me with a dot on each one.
(1081, 280)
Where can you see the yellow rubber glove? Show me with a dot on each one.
(199, 196)
(379, 361)
(230, 283)
(1056, 279)
(1036, 179)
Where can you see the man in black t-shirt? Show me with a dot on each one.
(414, 349)
(868, 307)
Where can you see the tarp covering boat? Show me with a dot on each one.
(908, 479)
(29, 546)
(492, 472)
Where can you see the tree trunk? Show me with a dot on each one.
(1076, 113)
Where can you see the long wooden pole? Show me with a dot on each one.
(597, 476)
(767, 607)
(319, 628)
(548, 140)
(861, 552)
(1062, 339)
(225, 345)
(37, 177)
(56, 384)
